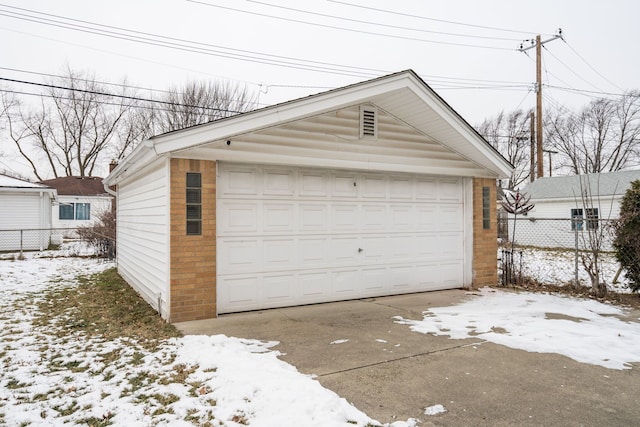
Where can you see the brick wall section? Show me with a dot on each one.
(485, 242)
(193, 258)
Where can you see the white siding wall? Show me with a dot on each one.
(549, 225)
(143, 234)
(99, 204)
(25, 211)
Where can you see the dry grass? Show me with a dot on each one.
(105, 305)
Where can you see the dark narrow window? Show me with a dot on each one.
(592, 218)
(576, 219)
(194, 204)
(486, 208)
(83, 211)
(66, 211)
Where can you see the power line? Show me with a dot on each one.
(590, 66)
(359, 21)
(570, 69)
(127, 97)
(432, 19)
(352, 30)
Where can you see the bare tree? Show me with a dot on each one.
(199, 102)
(603, 137)
(73, 124)
(509, 134)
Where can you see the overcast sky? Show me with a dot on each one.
(466, 50)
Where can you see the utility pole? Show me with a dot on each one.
(532, 134)
(538, 45)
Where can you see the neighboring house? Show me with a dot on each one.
(81, 201)
(25, 214)
(372, 189)
(560, 211)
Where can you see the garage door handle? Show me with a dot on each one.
(360, 250)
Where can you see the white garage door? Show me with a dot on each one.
(291, 236)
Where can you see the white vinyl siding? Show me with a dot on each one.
(143, 240)
(289, 236)
(29, 210)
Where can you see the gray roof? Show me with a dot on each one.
(563, 187)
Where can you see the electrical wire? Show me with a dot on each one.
(590, 66)
(570, 69)
(434, 19)
(352, 30)
(359, 21)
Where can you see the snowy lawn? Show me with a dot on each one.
(52, 373)
(557, 267)
(585, 330)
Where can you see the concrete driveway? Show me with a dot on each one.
(391, 373)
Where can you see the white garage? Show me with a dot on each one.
(291, 236)
(378, 188)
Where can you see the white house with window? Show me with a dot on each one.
(80, 202)
(570, 205)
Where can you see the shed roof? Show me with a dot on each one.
(11, 182)
(568, 187)
(77, 185)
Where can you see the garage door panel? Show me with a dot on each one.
(313, 252)
(240, 292)
(400, 188)
(374, 187)
(374, 249)
(289, 236)
(279, 289)
(426, 276)
(279, 254)
(240, 180)
(313, 184)
(238, 217)
(344, 185)
(344, 250)
(345, 217)
(278, 182)
(278, 217)
(401, 278)
(375, 280)
(239, 255)
(402, 217)
(313, 217)
(315, 286)
(374, 217)
(345, 283)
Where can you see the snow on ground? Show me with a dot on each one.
(557, 267)
(52, 377)
(585, 330)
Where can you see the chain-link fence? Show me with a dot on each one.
(554, 251)
(41, 239)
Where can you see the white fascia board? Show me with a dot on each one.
(141, 155)
(453, 119)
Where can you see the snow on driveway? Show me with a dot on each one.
(51, 377)
(585, 330)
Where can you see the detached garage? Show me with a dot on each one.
(373, 189)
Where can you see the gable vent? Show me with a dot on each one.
(368, 122)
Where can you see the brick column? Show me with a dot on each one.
(485, 241)
(193, 258)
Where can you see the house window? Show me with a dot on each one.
(576, 219)
(592, 218)
(66, 211)
(77, 211)
(486, 208)
(194, 204)
(83, 211)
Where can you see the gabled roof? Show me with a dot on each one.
(77, 186)
(402, 95)
(569, 187)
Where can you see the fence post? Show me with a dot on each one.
(576, 260)
(21, 231)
